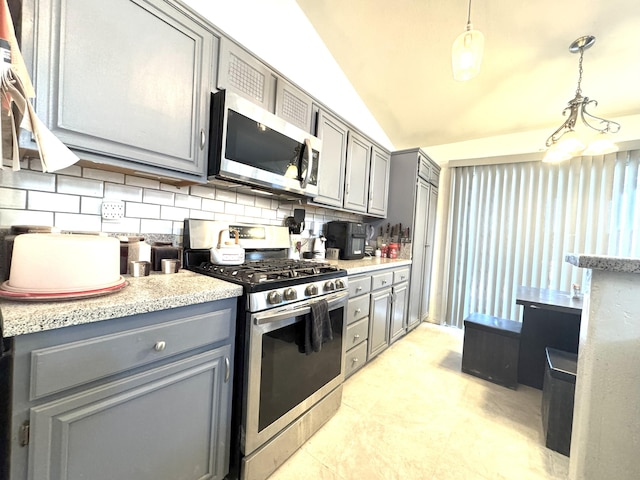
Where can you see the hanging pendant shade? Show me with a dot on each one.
(466, 54)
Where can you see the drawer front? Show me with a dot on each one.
(357, 332)
(381, 280)
(401, 275)
(359, 285)
(58, 368)
(424, 168)
(358, 308)
(355, 359)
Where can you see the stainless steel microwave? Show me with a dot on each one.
(250, 145)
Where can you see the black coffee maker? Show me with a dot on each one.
(349, 237)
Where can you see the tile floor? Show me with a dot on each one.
(412, 415)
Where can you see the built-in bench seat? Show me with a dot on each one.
(491, 349)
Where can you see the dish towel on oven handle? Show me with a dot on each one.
(317, 327)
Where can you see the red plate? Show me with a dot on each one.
(49, 297)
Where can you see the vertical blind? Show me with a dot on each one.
(512, 224)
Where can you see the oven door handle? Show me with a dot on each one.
(296, 310)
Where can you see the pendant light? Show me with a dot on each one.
(590, 138)
(466, 54)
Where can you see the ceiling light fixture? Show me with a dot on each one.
(565, 142)
(466, 54)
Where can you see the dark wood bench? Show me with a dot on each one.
(491, 349)
(558, 393)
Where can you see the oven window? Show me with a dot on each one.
(289, 375)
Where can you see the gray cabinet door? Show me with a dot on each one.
(379, 182)
(380, 312)
(357, 173)
(419, 254)
(331, 171)
(240, 71)
(399, 311)
(428, 252)
(124, 82)
(293, 105)
(166, 423)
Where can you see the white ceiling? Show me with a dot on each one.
(397, 55)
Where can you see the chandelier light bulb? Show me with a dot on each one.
(466, 53)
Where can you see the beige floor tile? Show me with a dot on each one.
(411, 414)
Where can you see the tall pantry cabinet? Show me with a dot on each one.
(416, 208)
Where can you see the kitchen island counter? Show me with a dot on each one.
(143, 294)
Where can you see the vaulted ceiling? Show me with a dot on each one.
(397, 55)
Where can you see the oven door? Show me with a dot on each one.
(282, 381)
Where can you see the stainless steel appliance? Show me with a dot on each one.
(283, 392)
(349, 237)
(253, 146)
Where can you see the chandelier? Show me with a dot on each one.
(466, 53)
(565, 142)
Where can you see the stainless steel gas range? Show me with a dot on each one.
(284, 391)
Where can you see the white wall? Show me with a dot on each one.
(279, 33)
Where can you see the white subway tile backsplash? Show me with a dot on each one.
(104, 175)
(24, 217)
(188, 201)
(142, 182)
(244, 199)
(156, 226)
(141, 210)
(178, 228)
(158, 197)
(203, 191)
(226, 195)
(53, 202)
(262, 202)
(123, 225)
(113, 191)
(268, 214)
(212, 205)
(223, 217)
(35, 164)
(175, 189)
(11, 198)
(252, 211)
(78, 222)
(91, 205)
(28, 180)
(201, 215)
(73, 171)
(80, 186)
(24, 162)
(233, 209)
(173, 213)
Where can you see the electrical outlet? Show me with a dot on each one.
(112, 210)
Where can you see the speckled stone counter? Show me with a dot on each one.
(368, 264)
(602, 262)
(143, 294)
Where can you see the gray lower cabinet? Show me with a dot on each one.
(379, 321)
(128, 88)
(399, 304)
(145, 397)
(357, 338)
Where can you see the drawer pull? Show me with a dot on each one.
(358, 289)
(355, 360)
(358, 310)
(384, 282)
(356, 337)
(160, 346)
(227, 369)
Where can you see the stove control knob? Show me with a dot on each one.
(274, 298)
(329, 286)
(339, 284)
(290, 294)
(311, 290)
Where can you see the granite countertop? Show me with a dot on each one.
(368, 264)
(143, 294)
(604, 262)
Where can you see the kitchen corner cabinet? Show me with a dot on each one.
(141, 397)
(413, 198)
(124, 83)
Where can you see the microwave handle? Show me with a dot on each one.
(309, 152)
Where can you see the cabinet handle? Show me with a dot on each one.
(384, 282)
(202, 139)
(227, 369)
(355, 360)
(358, 310)
(356, 337)
(534, 306)
(346, 189)
(160, 346)
(358, 289)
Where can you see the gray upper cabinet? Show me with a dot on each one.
(333, 134)
(245, 74)
(356, 194)
(293, 105)
(379, 182)
(125, 82)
